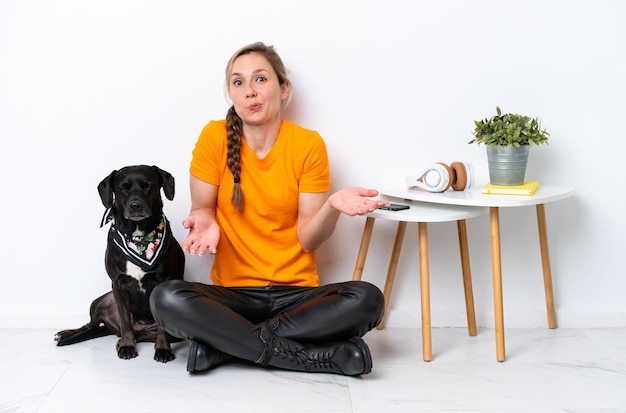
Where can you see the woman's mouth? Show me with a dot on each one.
(254, 106)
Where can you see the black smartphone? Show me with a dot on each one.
(395, 207)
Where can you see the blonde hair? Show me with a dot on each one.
(234, 125)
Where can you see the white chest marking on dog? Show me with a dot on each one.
(137, 273)
(133, 270)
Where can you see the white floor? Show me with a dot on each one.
(547, 371)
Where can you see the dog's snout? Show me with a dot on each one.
(135, 206)
(136, 209)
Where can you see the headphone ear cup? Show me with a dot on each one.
(462, 176)
(447, 178)
(459, 176)
(434, 178)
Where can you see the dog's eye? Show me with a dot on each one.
(125, 187)
(145, 186)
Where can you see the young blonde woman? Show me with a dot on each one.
(260, 202)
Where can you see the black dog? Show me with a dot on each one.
(141, 252)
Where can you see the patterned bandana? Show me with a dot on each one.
(141, 250)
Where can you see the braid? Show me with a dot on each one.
(234, 124)
(234, 132)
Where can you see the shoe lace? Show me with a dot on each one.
(300, 356)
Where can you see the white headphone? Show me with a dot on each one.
(439, 177)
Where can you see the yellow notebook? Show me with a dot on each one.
(528, 188)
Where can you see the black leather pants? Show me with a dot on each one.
(231, 319)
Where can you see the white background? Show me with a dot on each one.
(88, 87)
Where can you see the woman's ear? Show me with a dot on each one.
(284, 93)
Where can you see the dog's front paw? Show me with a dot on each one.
(126, 352)
(164, 355)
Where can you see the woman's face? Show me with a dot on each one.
(254, 89)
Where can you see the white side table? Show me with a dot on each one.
(474, 197)
(422, 214)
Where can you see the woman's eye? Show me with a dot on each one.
(238, 82)
(261, 79)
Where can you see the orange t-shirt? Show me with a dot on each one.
(259, 246)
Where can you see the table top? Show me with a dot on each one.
(423, 212)
(475, 198)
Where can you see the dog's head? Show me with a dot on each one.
(135, 191)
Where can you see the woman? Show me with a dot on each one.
(260, 203)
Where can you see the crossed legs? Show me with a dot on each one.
(263, 324)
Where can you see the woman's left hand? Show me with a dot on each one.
(355, 201)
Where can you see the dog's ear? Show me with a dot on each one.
(168, 182)
(105, 190)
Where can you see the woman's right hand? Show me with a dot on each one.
(204, 235)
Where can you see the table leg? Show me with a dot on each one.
(365, 244)
(427, 345)
(467, 277)
(545, 262)
(391, 271)
(496, 269)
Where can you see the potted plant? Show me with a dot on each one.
(508, 139)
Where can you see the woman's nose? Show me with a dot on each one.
(250, 92)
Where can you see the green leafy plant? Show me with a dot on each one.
(511, 130)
